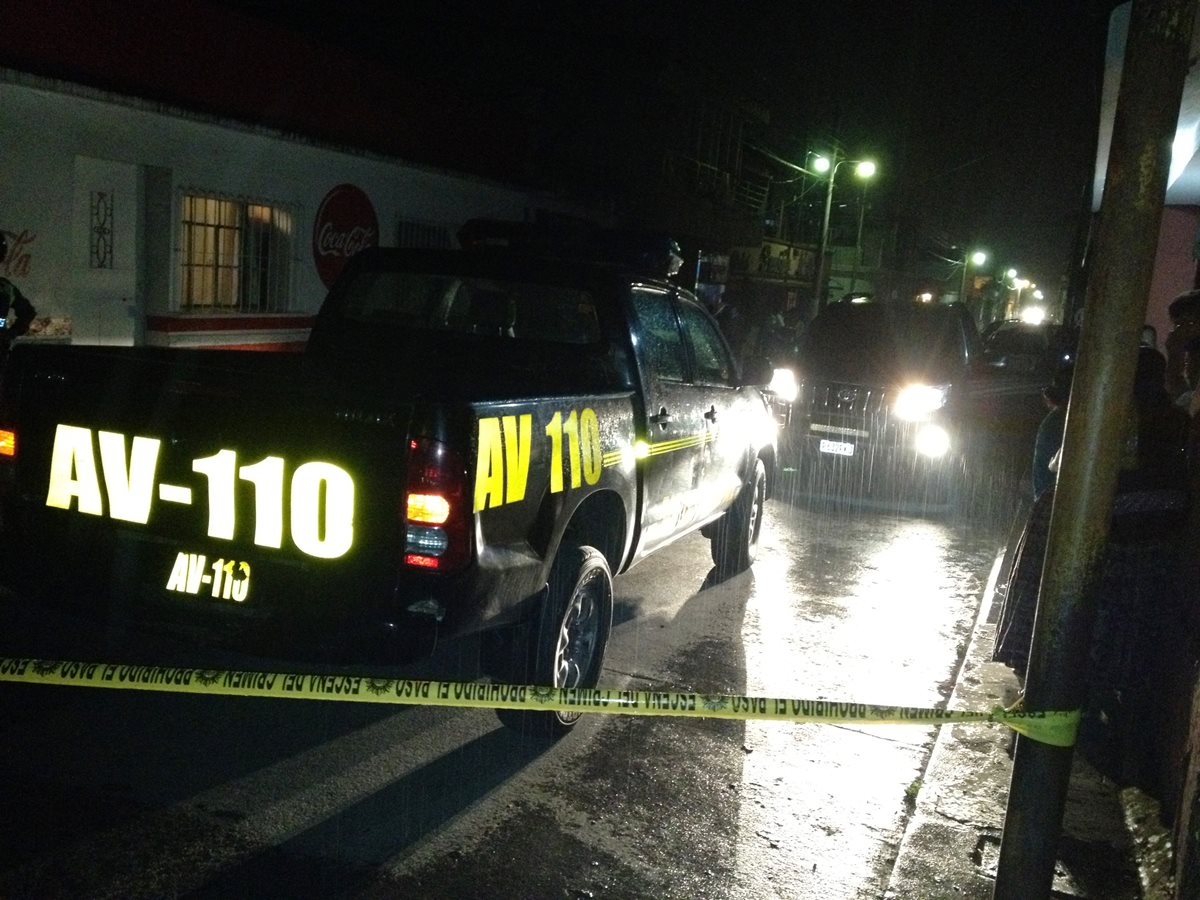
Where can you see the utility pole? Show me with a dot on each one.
(823, 247)
(1156, 63)
(863, 168)
(862, 208)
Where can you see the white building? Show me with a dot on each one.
(133, 223)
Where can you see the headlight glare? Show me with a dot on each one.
(933, 441)
(918, 402)
(784, 386)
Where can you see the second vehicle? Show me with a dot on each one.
(889, 402)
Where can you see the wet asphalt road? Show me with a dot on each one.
(120, 794)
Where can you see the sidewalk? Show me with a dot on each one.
(951, 843)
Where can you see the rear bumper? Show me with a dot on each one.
(371, 609)
(57, 610)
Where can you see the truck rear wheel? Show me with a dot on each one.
(735, 540)
(567, 638)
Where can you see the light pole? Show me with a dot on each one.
(978, 258)
(863, 168)
(862, 208)
(1009, 306)
(1020, 284)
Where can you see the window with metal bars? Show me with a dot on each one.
(236, 255)
(423, 235)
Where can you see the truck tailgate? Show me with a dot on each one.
(199, 487)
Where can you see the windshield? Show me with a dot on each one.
(1020, 340)
(855, 341)
(489, 307)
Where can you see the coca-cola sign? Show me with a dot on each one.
(345, 224)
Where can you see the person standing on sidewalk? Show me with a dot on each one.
(1050, 431)
(1182, 344)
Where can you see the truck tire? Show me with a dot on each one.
(567, 639)
(735, 539)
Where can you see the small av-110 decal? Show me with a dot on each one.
(502, 465)
(226, 579)
(321, 498)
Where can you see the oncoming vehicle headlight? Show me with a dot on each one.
(932, 441)
(784, 386)
(918, 402)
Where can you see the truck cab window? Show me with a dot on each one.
(660, 345)
(485, 307)
(711, 358)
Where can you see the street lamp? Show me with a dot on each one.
(863, 168)
(977, 259)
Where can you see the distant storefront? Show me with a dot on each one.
(772, 277)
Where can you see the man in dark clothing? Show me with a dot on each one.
(16, 312)
(1050, 431)
(1182, 344)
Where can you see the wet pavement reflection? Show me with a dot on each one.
(854, 607)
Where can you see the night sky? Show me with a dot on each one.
(982, 115)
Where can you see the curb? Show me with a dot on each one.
(951, 842)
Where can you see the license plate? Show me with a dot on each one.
(837, 448)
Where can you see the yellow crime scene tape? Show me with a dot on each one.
(1056, 728)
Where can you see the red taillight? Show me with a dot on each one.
(437, 517)
(8, 444)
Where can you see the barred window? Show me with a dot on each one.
(423, 235)
(236, 256)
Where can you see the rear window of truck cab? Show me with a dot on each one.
(472, 305)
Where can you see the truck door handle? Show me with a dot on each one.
(662, 418)
(711, 415)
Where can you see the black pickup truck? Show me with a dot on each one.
(473, 440)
